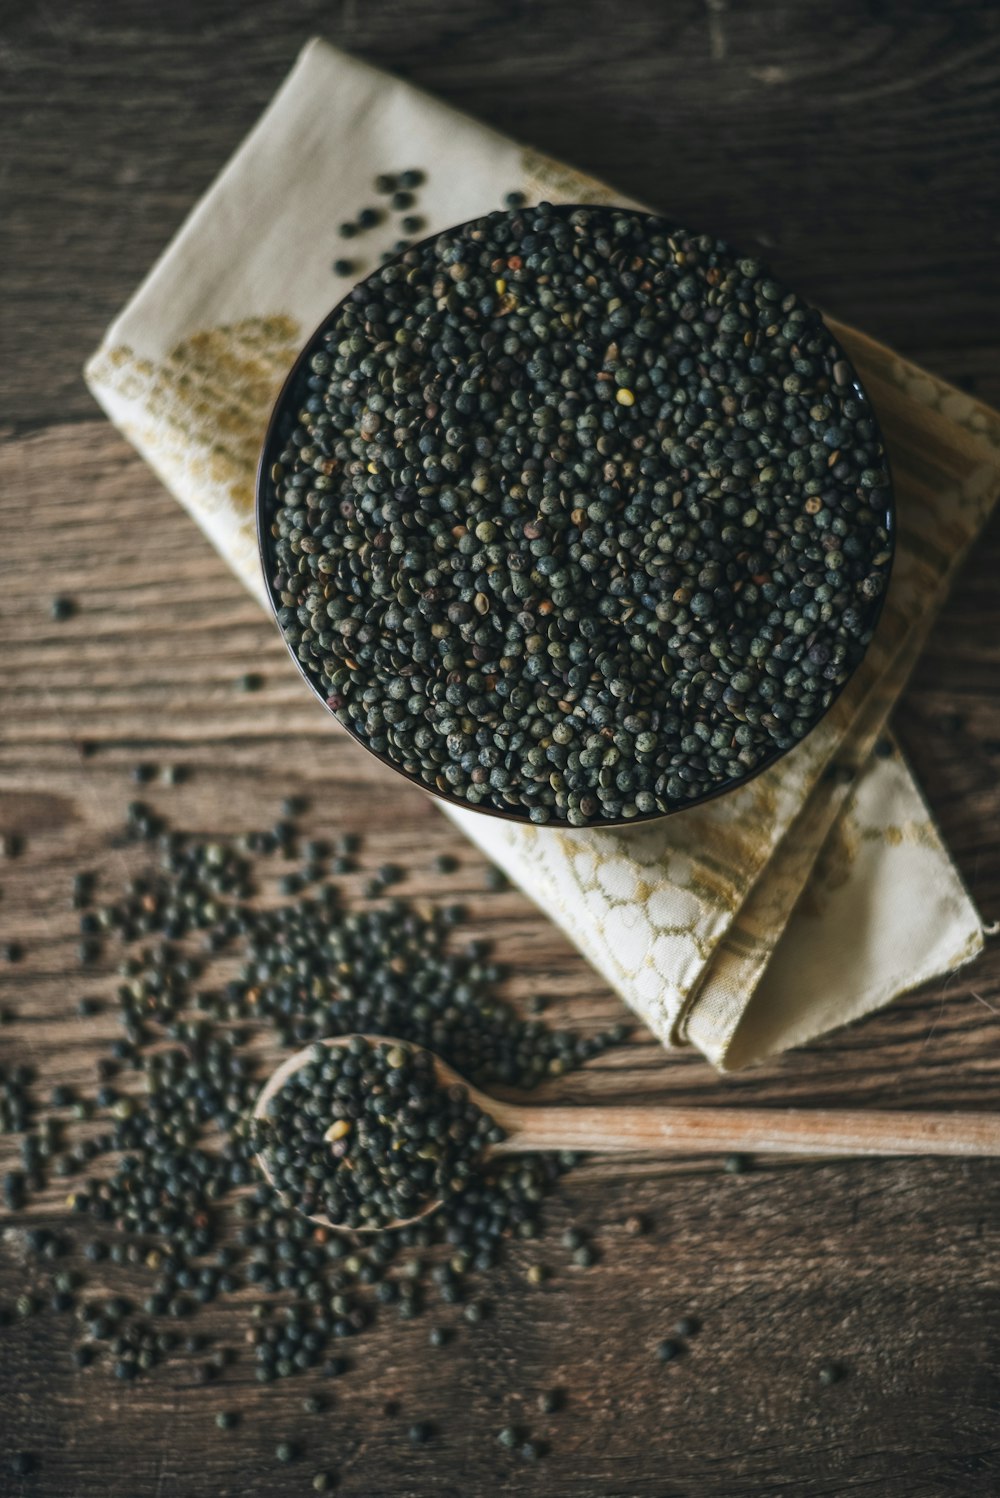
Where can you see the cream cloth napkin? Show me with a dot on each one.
(723, 926)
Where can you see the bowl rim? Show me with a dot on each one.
(262, 523)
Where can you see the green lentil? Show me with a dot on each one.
(365, 1135)
(178, 1192)
(577, 572)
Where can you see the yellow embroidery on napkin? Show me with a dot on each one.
(206, 403)
(545, 178)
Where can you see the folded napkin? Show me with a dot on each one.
(801, 901)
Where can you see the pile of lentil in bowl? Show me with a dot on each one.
(573, 516)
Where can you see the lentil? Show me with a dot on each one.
(365, 1135)
(176, 1198)
(566, 563)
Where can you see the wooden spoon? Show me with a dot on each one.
(683, 1130)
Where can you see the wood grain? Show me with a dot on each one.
(857, 143)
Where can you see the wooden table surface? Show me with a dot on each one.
(856, 143)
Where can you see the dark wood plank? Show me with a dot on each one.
(857, 142)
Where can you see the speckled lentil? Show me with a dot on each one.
(576, 516)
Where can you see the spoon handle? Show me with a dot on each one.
(807, 1131)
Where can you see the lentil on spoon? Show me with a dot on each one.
(363, 1134)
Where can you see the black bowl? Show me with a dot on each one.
(282, 416)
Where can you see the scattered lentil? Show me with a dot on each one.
(176, 1196)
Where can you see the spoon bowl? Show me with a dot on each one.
(444, 1075)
